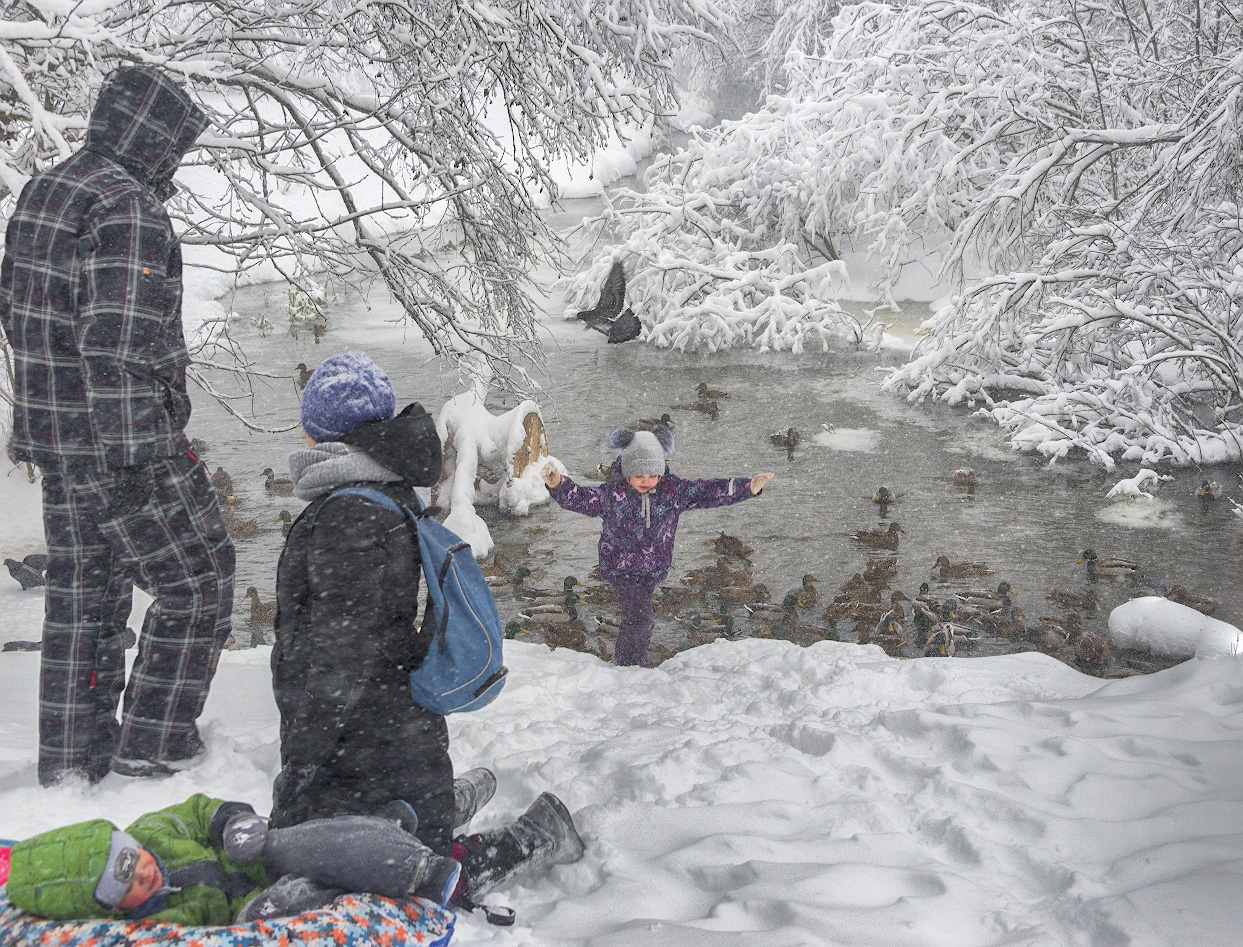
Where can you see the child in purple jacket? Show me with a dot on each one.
(640, 504)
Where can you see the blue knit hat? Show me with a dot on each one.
(346, 391)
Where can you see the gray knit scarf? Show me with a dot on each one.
(318, 469)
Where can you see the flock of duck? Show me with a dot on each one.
(262, 614)
(726, 601)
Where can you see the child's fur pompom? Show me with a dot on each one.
(665, 436)
(621, 438)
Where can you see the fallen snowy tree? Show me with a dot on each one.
(488, 457)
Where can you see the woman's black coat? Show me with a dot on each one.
(347, 587)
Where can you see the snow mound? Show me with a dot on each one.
(1163, 627)
(488, 457)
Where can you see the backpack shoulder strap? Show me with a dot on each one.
(375, 496)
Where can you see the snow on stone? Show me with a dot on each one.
(1156, 624)
(479, 463)
(1133, 487)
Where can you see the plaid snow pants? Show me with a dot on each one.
(175, 547)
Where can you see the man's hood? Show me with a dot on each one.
(407, 445)
(146, 122)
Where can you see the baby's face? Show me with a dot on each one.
(644, 483)
(147, 881)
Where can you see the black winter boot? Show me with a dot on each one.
(471, 792)
(543, 835)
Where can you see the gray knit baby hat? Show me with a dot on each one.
(643, 452)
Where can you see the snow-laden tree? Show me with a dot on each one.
(355, 137)
(1074, 165)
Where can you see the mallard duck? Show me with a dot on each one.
(857, 588)
(704, 393)
(1092, 653)
(884, 496)
(788, 606)
(1087, 601)
(608, 624)
(742, 594)
(1209, 490)
(706, 632)
(261, 613)
(710, 408)
(560, 612)
(222, 482)
(560, 629)
(947, 637)
(27, 577)
(277, 486)
(880, 570)
(960, 570)
(1010, 626)
(513, 580)
(499, 566)
(533, 595)
(806, 594)
(716, 576)
(239, 529)
(198, 446)
(787, 439)
(600, 472)
(965, 477)
(1067, 629)
(303, 376)
(883, 537)
(513, 629)
(1201, 603)
(671, 598)
(889, 634)
(989, 599)
(601, 594)
(646, 424)
(730, 547)
(286, 520)
(1113, 567)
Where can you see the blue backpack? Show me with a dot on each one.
(463, 669)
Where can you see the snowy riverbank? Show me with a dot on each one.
(757, 792)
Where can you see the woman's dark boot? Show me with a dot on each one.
(543, 835)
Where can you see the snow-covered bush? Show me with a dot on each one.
(495, 458)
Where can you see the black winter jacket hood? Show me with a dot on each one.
(146, 122)
(408, 445)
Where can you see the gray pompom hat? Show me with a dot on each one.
(643, 452)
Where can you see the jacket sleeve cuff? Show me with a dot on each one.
(221, 817)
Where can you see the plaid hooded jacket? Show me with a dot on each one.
(90, 287)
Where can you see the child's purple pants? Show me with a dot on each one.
(638, 619)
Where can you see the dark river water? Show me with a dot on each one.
(1027, 520)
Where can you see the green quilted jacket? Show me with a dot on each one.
(54, 875)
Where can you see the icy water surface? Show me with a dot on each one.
(1028, 521)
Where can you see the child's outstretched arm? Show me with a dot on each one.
(706, 494)
(569, 495)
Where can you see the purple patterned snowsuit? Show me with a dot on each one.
(636, 541)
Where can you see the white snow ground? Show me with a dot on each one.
(756, 792)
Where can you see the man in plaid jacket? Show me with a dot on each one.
(90, 299)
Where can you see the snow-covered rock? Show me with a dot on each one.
(488, 457)
(1163, 627)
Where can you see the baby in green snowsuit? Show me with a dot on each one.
(207, 861)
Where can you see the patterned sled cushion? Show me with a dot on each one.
(353, 920)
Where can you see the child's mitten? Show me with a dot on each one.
(245, 834)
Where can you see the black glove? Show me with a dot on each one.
(133, 489)
(244, 835)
